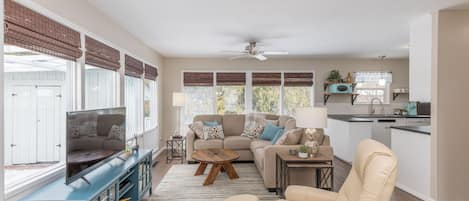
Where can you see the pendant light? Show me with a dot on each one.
(382, 81)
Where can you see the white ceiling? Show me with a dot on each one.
(312, 28)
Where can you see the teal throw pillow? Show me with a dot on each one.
(269, 132)
(277, 136)
(211, 123)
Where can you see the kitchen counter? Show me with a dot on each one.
(367, 117)
(348, 118)
(416, 129)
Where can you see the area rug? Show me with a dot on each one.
(181, 184)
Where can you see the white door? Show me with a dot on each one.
(49, 123)
(23, 120)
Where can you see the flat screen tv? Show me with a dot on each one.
(93, 138)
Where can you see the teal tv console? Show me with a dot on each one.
(113, 181)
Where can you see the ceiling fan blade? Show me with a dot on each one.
(233, 52)
(260, 57)
(239, 57)
(275, 52)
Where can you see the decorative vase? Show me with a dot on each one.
(302, 154)
(313, 147)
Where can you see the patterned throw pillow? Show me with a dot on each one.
(213, 132)
(198, 128)
(291, 137)
(252, 127)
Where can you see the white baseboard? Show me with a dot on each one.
(413, 192)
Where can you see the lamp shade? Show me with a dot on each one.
(179, 99)
(311, 117)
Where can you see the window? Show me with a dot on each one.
(372, 85)
(230, 99)
(100, 87)
(266, 99)
(36, 98)
(199, 100)
(296, 97)
(149, 105)
(134, 106)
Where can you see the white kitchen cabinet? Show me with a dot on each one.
(381, 131)
(345, 137)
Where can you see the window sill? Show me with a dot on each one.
(34, 182)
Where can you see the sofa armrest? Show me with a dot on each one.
(190, 138)
(270, 165)
(303, 193)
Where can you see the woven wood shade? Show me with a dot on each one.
(150, 72)
(298, 79)
(133, 67)
(231, 79)
(266, 79)
(198, 79)
(101, 55)
(31, 30)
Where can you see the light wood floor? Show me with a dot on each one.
(341, 170)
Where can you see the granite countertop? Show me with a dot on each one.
(416, 129)
(369, 117)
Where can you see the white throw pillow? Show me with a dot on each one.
(198, 128)
(252, 126)
(213, 132)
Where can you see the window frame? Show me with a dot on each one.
(248, 86)
(154, 105)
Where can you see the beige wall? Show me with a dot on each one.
(450, 139)
(321, 67)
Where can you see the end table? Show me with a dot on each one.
(321, 163)
(176, 148)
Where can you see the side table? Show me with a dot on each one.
(321, 163)
(176, 149)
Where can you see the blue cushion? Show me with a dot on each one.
(211, 123)
(277, 136)
(269, 132)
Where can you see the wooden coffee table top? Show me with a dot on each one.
(215, 155)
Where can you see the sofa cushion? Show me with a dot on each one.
(259, 144)
(259, 156)
(209, 117)
(282, 120)
(208, 144)
(198, 128)
(233, 124)
(237, 142)
(291, 137)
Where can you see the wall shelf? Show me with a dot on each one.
(353, 97)
(396, 94)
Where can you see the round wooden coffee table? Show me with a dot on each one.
(221, 161)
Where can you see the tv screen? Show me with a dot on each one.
(93, 137)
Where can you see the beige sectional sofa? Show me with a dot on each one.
(262, 152)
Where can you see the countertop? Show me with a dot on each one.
(368, 117)
(416, 129)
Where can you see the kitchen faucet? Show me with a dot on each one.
(371, 109)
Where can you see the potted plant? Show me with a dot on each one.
(334, 76)
(303, 151)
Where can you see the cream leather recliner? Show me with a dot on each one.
(372, 178)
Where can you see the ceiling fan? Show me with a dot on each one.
(253, 51)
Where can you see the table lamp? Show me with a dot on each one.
(311, 119)
(179, 101)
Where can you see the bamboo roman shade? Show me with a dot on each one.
(198, 79)
(266, 79)
(31, 30)
(150, 72)
(133, 67)
(231, 79)
(101, 55)
(298, 79)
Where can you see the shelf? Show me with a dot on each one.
(395, 95)
(326, 84)
(353, 97)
